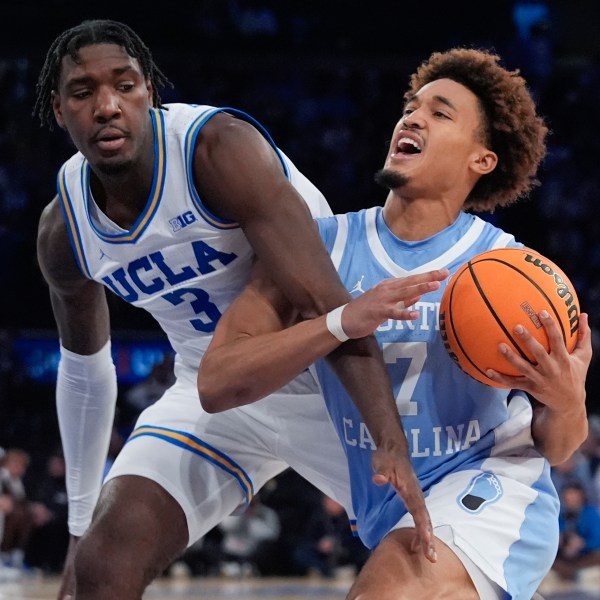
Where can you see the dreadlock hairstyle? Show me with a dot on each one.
(96, 31)
(511, 127)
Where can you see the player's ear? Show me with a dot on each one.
(484, 161)
(150, 91)
(57, 110)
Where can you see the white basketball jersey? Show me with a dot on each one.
(178, 261)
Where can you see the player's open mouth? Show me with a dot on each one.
(408, 146)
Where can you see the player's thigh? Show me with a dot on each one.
(395, 572)
(210, 464)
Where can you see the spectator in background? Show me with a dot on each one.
(591, 451)
(6, 504)
(47, 546)
(7, 573)
(576, 468)
(579, 520)
(244, 538)
(18, 522)
(328, 542)
(350, 550)
(295, 501)
(203, 557)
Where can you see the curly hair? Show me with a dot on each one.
(95, 31)
(511, 128)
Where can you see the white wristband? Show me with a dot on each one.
(334, 323)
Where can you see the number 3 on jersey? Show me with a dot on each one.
(208, 313)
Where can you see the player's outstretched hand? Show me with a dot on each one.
(394, 467)
(558, 375)
(67, 584)
(389, 299)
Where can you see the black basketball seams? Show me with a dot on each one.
(534, 283)
(454, 332)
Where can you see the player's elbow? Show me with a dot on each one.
(306, 305)
(217, 395)
(209, 403)
(558, 457)
(574, 441)
(560, 453)
(210, 391)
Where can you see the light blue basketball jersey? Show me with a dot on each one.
(449, 418)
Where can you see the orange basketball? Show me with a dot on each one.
(491, 294)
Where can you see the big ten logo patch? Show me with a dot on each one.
(183, 220)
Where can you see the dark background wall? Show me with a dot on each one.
(326, 78)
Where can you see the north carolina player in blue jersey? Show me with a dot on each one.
(166, 206)
(469, 137)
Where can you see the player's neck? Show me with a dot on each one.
(417, 219)
(123, 197)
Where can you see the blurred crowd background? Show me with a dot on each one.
(326, 79)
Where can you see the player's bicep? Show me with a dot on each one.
(79, 304)
(261, 308)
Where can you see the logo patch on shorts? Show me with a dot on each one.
(485, 488)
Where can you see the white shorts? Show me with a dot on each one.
(178, 445)
(501, 519)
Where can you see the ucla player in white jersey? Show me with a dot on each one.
(469, 138)
(166, 206)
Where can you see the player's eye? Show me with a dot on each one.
(80, 94)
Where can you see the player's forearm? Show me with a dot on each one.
(86, 394)
(359, 365)
(251, 368)
(557, 434)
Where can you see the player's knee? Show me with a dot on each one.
(104, 568)
(95, 564)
